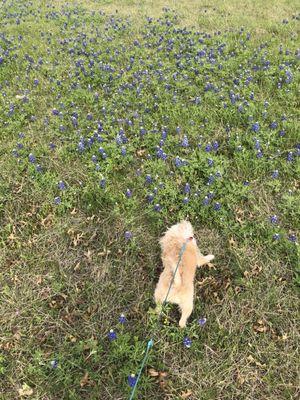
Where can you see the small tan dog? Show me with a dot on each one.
(182, 289)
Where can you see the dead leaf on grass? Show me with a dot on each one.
(25, 390)
(260, 327)
(187, 394)
(84, 380)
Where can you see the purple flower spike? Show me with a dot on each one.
(187, 342)
(112, 335)
(128, 235)
(202, 321)
(131, 380)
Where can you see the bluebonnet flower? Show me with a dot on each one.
(131, 380)
(281, 133)
(178, 162)
(217, 206)
(150, 198)
(211, 179)
(187, 342)
(38, 168)
(292, 238)
(119, 139)
(81, 146)
(54, 364)
(31, 158)
(52, 146)
(122, 319)
(186, 200)
(186, 188)
(273, 125)
(259, 154)
(57, 200)
(273, 219)
(205, 201)
(257, 144)
(102, 183)
(289, 156)
(143, 131)
(128, 235)
(123, 151)
(157, 207)
(276, 236)
(202, 321)
(148, 179)
(185, 141)
(128, 193)
(15, 153)
(215, 145)
(94, 158)
(255, 127)
(210, 162)
(208, 147)
(62, 185)
(112, 335)
(275, 174)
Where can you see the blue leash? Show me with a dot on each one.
(151, 342)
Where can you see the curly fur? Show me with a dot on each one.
(182, 290)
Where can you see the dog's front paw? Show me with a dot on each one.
(182, 324)
(209, 258)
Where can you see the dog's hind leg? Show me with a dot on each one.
(186, 311)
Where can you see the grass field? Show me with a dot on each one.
(118, 119)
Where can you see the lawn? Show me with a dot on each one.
(118, 119)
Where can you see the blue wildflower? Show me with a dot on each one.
(202, 321)
(128, 235)
(128, 193)
(54, 364)
(31, 158)
(102, 183)
(131, 380)
(186, 188)
(255, 127)
(273, 219)
(217, 206)
(112, 335)
(148, 179)
(157, 207)
(292, 238)
(185, 141)
(273, 125)
(62, 185)
(208, 148)
(187, 342)
(122, 319)
(57, 200)
(150, 198)
(289, 156)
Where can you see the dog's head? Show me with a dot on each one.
(177, 235)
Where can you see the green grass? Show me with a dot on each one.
(67, 272)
